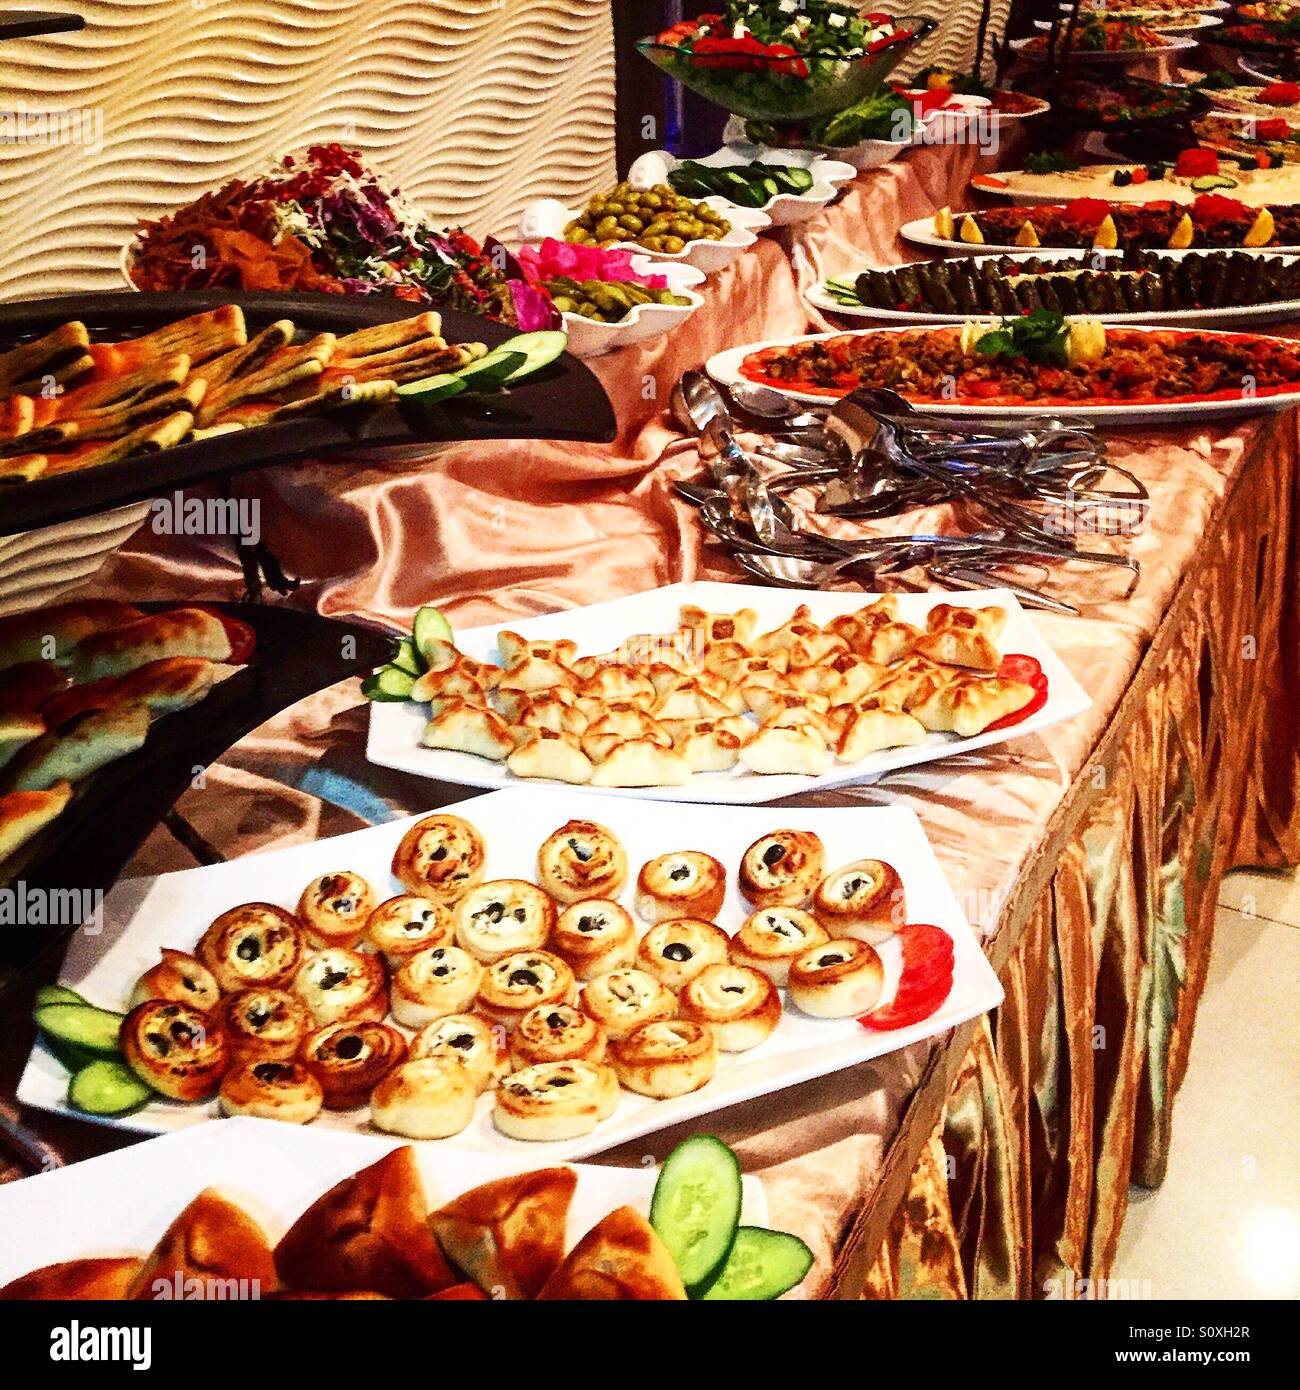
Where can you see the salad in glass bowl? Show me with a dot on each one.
(784, 60)
(319, 220)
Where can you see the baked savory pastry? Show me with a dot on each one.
(504, 915)
(837, 980)
(783, 866)
(624, 999)
(521, 981)
(252, 944)
(369, 1231)
(582, 860)
(335, 908)
(875, 723)
(555, 1100)
(180, 978)
(675, 952)
(271, 1091)
(778, 749)
(914, 682)
(440, 857)
(556, 1033)
(642, 762)
(772, 937)
(440, 981)
(103, 1280)
(963, 636)
(350, 1059)
(403, 926)
(620, 1259)
(739, 1004)
(465, 727)
(211, 1247)
(686, 883)
(432, 1098)
(595, 937)
(263, 1025)
(336, 985)
(509, 1235)
(23, 814)
(469, 1040)
(546, 753)
(711, 628)
(968, 705)
(669, 1057)
(710, 745)
(153, 637)
(178, 1050)
(863, 899)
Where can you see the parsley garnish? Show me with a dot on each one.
(1041, 337)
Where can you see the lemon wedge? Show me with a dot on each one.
(1261, 230)
(1106, 237)
(943, 223)
(1086, 342)
(971, 333)
(970, 231)
(1027, 235)
(1182, 235)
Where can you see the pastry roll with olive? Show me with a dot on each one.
(840, 979)
(264, 1025)
(505, 915)
(337, 984)
(555, 1100)
(334, 909)
(624, 999)
(582, 860)
(180, 978)
(740, 1005)
(864, 899)
(440, 981)
(350, 1059)
(271, 1090)
(686, 883)
(431, 1098)
(178, 1050)
(556, 1033)
(469, 1040)
(520, 982)
(669, 1057)
(782, 868)
(405, 925)
(675, 952)
(772, 937)
(440, 857)
(253, 944)
(595, 937)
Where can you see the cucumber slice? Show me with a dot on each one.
(57, 994)
(762, 1265)
(429, 627)
(540, 349)
(696, 1207)
(433, 388)
(796, 179)
(70, 1057)
(107, 1088)
(492, 371)
(408, 658)
(389, 683)
(82, 1025)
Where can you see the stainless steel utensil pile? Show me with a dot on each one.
(1028, 491)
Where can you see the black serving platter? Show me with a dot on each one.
(24, 24)
(113, 811)
(564, 401)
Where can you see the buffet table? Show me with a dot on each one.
(994, 1162)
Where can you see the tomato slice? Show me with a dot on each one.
(1036, 702)
(902, 1012)
(1018, 667)
(923, 943)
(926, 981)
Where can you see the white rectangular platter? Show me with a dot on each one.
(122, 1203)
(395, 729)
(143, 915)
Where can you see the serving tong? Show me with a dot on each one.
(1027, 486)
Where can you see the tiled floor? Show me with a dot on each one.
(1226, 1222)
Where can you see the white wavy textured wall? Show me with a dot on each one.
(953, 44)
(473, 106)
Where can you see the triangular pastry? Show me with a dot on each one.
(369, 1231)
(211, 1243)
(874, 723)
(690, 701)
(509, 1235)
(967, 706)
(535, 673)
(620, 1259)
(516, 650)
(466, 728)
(545, 753)
(783, 750)
(720, 627)
(914, 682)
(618, 683)
(711, 745)
(641, 763)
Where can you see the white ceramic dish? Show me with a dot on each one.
(37, 567)
(725, 368)
(1239, 101)
(1254, 314)
(549, 217)
(1254, 186)
(593, 338)
(785, 209)
(1120, 56)
(395, 729)
(1161, 21)
(920, 232)
(121, 1203)
(142, 915)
